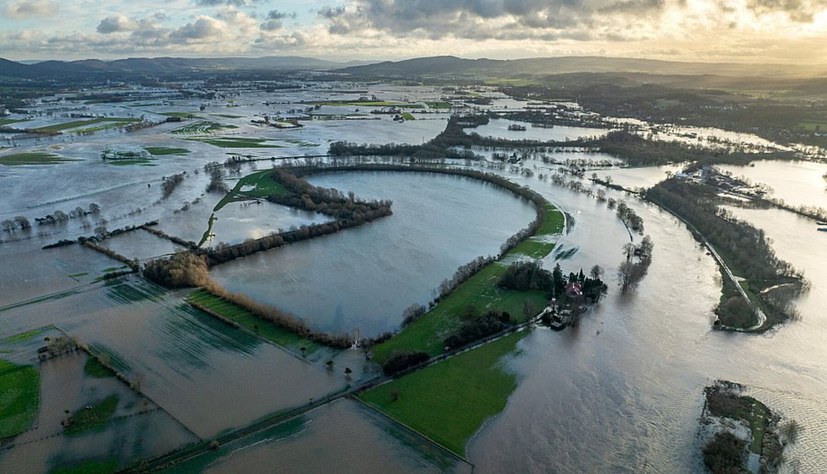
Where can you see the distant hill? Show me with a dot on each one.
(450, 66)
(159, 67)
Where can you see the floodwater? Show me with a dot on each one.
(363, 278)
(138, 429)
(799, 183)
(357, 438)
(239, 221)
(498, 128)
(230, 378)
(140, 244)
(622, 392)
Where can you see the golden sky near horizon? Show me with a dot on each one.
(777, 31)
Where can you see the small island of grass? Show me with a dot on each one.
(19, 397)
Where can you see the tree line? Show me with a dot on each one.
(746, 249)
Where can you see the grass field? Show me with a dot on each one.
(439, 105)
(534, 248)
(94, 417)
(236, 142)
(19, 398)
(263, 328)
(367, 103)
(82, 123)
(449, 401)
(186, 115)
(408, 116)
(813, 126)
(32, 158)
(428, 333)
(93, 368)
(7, 121)
(264, 186)
(164, 150)
(88, 467)
(200, 128)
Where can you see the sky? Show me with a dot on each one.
(758, 31)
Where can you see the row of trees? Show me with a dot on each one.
(746, 249)
(347, 210)
(636, 264)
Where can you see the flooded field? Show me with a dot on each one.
(499, 128)
(620, 393)
(345, 434)
(438, 223)
(798, 183)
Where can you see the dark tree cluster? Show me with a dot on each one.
(402, 361)
(475, 329)
(725, 454)
(184, 269)
(346, 209)
(531, 276)
(169, 183)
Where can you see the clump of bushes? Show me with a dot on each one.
(725, 453)
(486, 325)
(402, 361)
(184, 269)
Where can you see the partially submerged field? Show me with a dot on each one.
(450, 400)
(481, 292)
(19, 397)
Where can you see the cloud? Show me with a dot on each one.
(30, 9)
(480, 19)
(273, 22)
(279, 15)
(801, 11)
(229, 3)
(203, 28)
(115, 24)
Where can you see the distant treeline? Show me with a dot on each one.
(744, 248)
(638, 151)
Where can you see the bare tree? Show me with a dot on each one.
(23, 222)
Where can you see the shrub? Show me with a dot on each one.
(402, 361)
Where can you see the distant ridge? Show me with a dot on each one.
(437, 66)
(159, 67)
(454, 66)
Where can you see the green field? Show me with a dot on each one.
(81, 123)
(439, 105)
(236, 142)
(200, 128)
(261, 327)
(88, 467)
(93, 368)
(8, 121)
(264, 186)
(429, 332)
(369, 103)
(94, 417)
(408, 116)
(32, 158)
(165, 150)
(534, 248)
(19, 398)
(813, 126)
(186, 115)
(449, 401)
